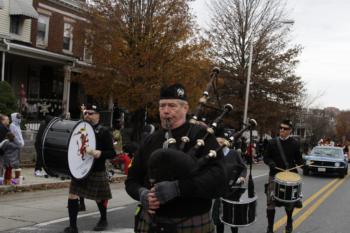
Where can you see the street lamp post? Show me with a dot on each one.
(248, 84)
(246, 100)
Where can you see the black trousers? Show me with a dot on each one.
(39, 159)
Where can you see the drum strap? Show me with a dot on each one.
(283, 155)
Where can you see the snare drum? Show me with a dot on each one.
(239, 213)
(287, 187)
(63, 148)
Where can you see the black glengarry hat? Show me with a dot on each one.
(287, 122)
(175, 91)
(92, 107)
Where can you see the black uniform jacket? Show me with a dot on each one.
(291, 148)
(233, 158)
(197, 190)
(104, 143)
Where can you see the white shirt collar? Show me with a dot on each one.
(284, 139)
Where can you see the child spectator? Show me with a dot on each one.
(11, 156)
(125, 158)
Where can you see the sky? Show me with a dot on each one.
(322, 28)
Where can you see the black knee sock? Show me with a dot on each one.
(102, 206)
(289, 216)
(220, 228)
(73, 208)
(270, 213)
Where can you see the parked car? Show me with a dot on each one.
(326, 159)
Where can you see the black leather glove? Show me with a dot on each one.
(166, 191)
(272, 165)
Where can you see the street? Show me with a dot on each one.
(325, 209)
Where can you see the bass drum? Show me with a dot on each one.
(63, 148)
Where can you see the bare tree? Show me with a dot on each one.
(275, 89)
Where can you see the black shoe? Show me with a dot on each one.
(269, 230)
(70, 230)
(289, 228)
(101, 225)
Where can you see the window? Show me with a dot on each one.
(68, 37)
(16, 23)
(87, 54)
(43, 30)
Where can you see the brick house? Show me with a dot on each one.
(40, 53)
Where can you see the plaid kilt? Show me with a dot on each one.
(195, 224)
(94, 187)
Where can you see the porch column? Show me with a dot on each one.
(3, 66)
(66, 90)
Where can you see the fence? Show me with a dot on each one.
(32, 125)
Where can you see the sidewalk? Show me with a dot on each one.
(33, 183)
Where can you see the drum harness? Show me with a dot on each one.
(283, 155)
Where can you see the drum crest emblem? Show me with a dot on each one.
(82, 142)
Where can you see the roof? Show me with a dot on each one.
(23, 8)
(28, 51)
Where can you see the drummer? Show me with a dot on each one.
(282, 152)
(95, 186)
(236, 173)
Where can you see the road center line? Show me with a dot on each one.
(258, 176)
(283, 220)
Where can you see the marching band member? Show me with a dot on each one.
(96, 185)
(282, 152)
(237, 170)
(181, 205)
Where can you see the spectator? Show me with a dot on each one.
(15, 129)
(4, 129)
(11, 156)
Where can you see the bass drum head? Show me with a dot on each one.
(79, 162)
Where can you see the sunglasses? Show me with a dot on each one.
(89, 113)
(284, 128)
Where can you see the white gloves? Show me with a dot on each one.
(94, 153)
(240, 180)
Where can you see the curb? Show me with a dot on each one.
(8, 189)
